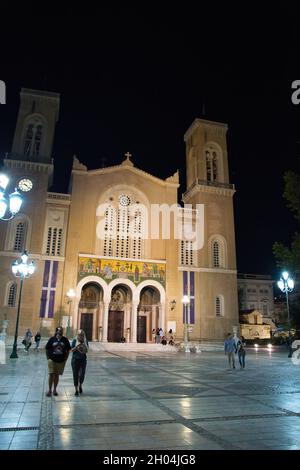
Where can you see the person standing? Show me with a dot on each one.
(79, 349)
(241, 351)
(57, 352)
(37, 340)
(230, 350)
(27, 339)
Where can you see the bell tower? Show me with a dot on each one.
(215, 266)
(34, 134)
(31, 155)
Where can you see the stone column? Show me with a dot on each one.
(162, 313)
(127, 328)
(100, 320)
(153, 317)
(74, 320)
(134, 322)
(105, 322)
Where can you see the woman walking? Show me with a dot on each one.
(241, 351)
(79, 348)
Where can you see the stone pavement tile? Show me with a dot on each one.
(182, 389)
(204, 407)
(4, 445)
(107, 412)
(24, 439)
(257, 432)
(145, 436)
(102, 392)
(6, 437)
(287, 401)
(9, 422)
(287, 447)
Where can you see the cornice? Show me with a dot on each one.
(133, 169)
(35, 166)
(144, 260)
(208, 270)
(205, 123)
(201, 188)
(15, 255)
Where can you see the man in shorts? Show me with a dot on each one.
(57, 352)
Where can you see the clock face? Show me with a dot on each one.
(25, 184)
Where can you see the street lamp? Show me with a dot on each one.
(70, 294)
(186, 301)
(286, 284)
(22, 269)
(9, 206)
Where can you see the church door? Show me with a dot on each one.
(141, 329)
(115, 326)
(86, 324)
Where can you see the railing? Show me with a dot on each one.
(216, 184)
(29, 158)
(60, 196)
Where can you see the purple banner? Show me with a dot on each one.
(185, 283)
(192, 284)
(43, 303)
(185, 292)
(51, 304)
(54, 274)
(192, 311)
(46, 274)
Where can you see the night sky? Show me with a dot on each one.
(134, 79)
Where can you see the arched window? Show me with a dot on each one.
(11, 294)
(212, 163)
(218, 252)
(187, 254)
(32, 139)
(18, 233)
(219, 306)
(20, 236)
(54, 241)
(109, 225)
(123, 228)
(137, 235)
(28, 139)
(37, 140)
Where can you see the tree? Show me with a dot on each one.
(289, 257)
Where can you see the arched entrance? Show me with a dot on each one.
(89, 311)
(148, 313)
(119, 314)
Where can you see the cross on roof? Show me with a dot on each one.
(128, 155)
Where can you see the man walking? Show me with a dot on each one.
(230, 350)
(57, 352)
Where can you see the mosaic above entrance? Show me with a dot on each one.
(109, 269)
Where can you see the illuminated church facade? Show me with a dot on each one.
(91, 242)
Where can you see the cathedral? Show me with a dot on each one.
(109, 257)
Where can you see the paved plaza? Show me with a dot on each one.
(148, 400)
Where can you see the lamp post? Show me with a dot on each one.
(70, 294)
(186, 301)
(286, 284)
(22, 269)
(9, 205)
